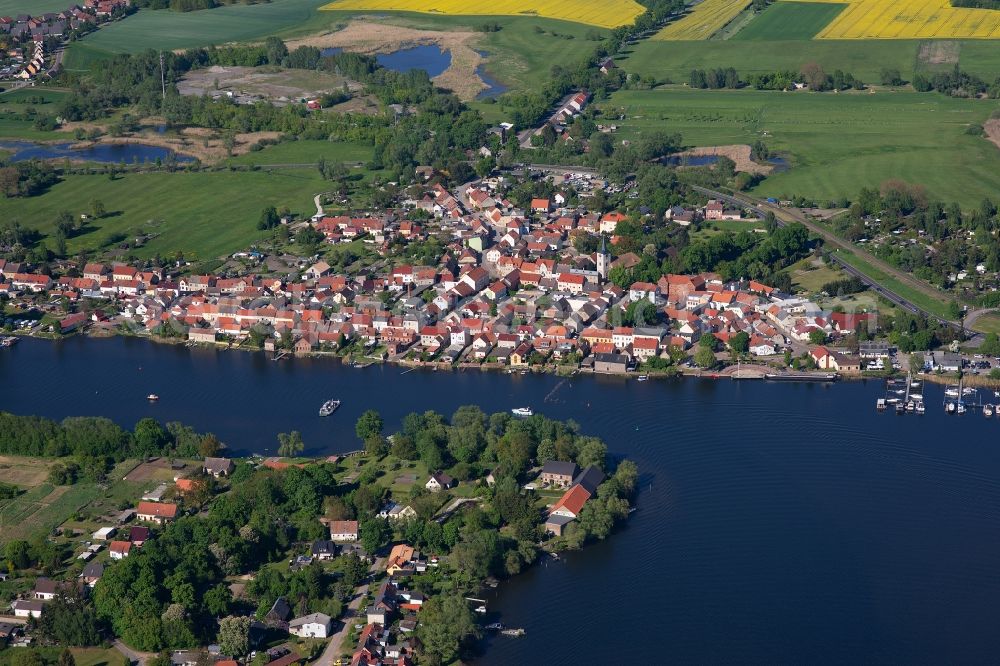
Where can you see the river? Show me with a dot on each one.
(777, 522)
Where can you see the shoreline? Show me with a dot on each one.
(438, 366)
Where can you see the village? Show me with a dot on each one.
(32, 40)
(391, 578)
(511, 290)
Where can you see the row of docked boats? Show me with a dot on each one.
(903, 395)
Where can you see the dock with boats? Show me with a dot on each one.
(906, 396)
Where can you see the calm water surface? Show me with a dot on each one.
(777, 523)
(430, 58)
(129, 152)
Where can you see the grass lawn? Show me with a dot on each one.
(837, 143)
(988, 323)
(307, 152)
(82, 656)
(203, 215)
(810, 274)
(790, 20)
(25, 129)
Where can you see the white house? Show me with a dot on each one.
(314, 625)
(27, 608)
(439, 481)
(344, 530)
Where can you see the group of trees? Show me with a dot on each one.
(190, 5)
(956, 83)
(96, 443)
(961, 240)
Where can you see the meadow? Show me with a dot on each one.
(15, 7)
(836, 144)
(703, 20)
(785, 21)
(601, 13)
(204, 215)
(165, 29)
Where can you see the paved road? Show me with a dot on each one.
(134, 656)
(335, 645)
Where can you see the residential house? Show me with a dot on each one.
(27, 608)
(156, 512)
(324, 549)
(314, 625)
(218, 466)
(344, 530)
(439, 481)
(92, 573)
(119, 550)
(400, 557)
(558, 473)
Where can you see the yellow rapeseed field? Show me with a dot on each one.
(705, 19)
(911, 19)
(601, 13)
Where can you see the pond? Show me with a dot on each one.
(430, 58)
(105, 152)
(495, 87)
(690, 160)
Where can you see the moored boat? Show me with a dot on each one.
(987, 410)
(522, 411)
(642, 378)
(329, 407)
(152, 397)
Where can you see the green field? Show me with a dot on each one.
(836, 143)
(41, 509)
(865, 59)
(165, 29)
(790, 20)
(15, 7)
(203, 215)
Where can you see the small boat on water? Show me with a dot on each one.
(987, 410)
(900, 408)
(951, 391)
(950, 408)
(880, 404)
(152, 397)
(968, 391)
(961, 407)
(522, 411)
(8, 341)
(642, 378)
(513, 633)
(494, 626)
(920, 408)
(329, 407)
(910, 406)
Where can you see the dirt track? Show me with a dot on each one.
(370, 37)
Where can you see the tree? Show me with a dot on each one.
(66, 658)
(740, 343)
(234, 636)
(709, 341)
(817, 336)
(446, 625)
(290, 444)
(268, 218)
(705, 358)
(369, 425)
(375, 534)
(97, 208)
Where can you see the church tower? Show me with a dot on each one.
(603, 259)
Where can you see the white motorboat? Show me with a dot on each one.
(329, 407)
(522, 411)
(987, 410)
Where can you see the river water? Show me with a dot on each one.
(777, 523)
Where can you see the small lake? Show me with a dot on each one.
(690, 160)
(109, 153)
(430, 58)
(495, 87)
